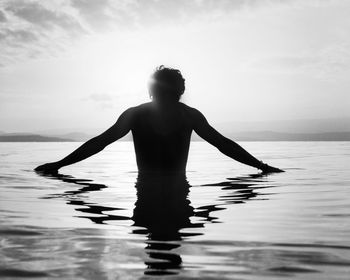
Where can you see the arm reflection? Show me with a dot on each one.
(162, 210)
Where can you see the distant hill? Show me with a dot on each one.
(287, 126)
(281, 136)
(75, 136)
(16, 137)
(236, 136)
(82, 137)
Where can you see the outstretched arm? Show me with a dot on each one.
(227, 146)
(94, 145)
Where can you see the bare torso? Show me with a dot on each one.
(161, 137)
(162, 134)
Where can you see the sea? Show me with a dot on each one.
(98, 219)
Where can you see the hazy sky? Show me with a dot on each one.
(78, 64)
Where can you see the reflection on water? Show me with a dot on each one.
(102, 222)
(162, 210)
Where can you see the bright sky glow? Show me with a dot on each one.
(76, 65)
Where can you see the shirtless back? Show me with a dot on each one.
(161, 131)
(161, 137)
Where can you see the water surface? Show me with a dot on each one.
(98, 220)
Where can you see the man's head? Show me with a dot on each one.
(167, 84)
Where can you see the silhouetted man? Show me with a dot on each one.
(161, 132)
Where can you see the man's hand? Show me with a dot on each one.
(51, 167)
(270, 169)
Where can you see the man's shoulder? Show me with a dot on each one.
(193, 112)
(143, 106)
(138, 108)
(134, 113)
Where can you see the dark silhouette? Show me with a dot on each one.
(162, 210)
(161, 131)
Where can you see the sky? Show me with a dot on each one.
(76, 65)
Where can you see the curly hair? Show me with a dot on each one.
(172, 77)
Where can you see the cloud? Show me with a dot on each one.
(102, 100)
(142, 14)
(2, 16)
(12, 42)
(48, 27)
(31, 29)
(95, 13)
(100, 97)
(20, 36)
(329, 63)
(39, 15)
